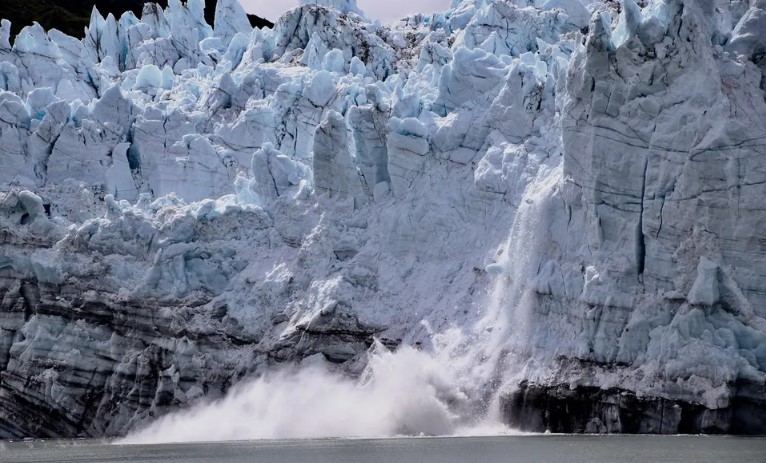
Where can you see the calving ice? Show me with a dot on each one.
(547, 215)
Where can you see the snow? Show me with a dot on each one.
(527, 200)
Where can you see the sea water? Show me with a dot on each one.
(504, 449)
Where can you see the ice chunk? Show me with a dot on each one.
(5, 34)
(407, 145)
(236, 51)
(577, 14)
(471, 76)
(222, 94)
(358, 68)
(187, 17)
(314, 52)
(526, 95)
(369, 128)
(321, 89)
(34, 40)
(275, 174)
(254, 127)
(212, 46)
(119, 180)
(230, 20)
(344, 6)
(406, 104)
(529, 26)
(187, 28)
(168, 78)
(101, 38)
(39, 99)
(191, 168)
(154, 16)
(148, 77)
(748, 37)
(334, 62)
(335, 171)
(628, 24)
(705, 289)
(113, 110)
(10, 79)
(33, 205)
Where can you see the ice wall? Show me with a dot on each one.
(546, 202)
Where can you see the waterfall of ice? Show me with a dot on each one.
(450, 390)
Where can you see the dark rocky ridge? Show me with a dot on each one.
(582, 409)
(73, 16)
(76, 362)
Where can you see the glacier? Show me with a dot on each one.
(552, 211)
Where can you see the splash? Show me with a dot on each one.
(402, 393)
(452, 390)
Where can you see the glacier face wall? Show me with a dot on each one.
(562, 199)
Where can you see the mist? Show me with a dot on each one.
(406, 393)
(449, 389)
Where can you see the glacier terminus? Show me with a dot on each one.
(542, 214)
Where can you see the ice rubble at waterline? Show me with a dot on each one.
(554, 194)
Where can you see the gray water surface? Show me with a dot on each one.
(508, 449)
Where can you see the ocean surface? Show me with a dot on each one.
(508, 449)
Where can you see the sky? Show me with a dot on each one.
(384, 10)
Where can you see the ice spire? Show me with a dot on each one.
(5, 34)
(230, 19)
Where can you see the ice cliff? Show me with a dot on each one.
(563, 201)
